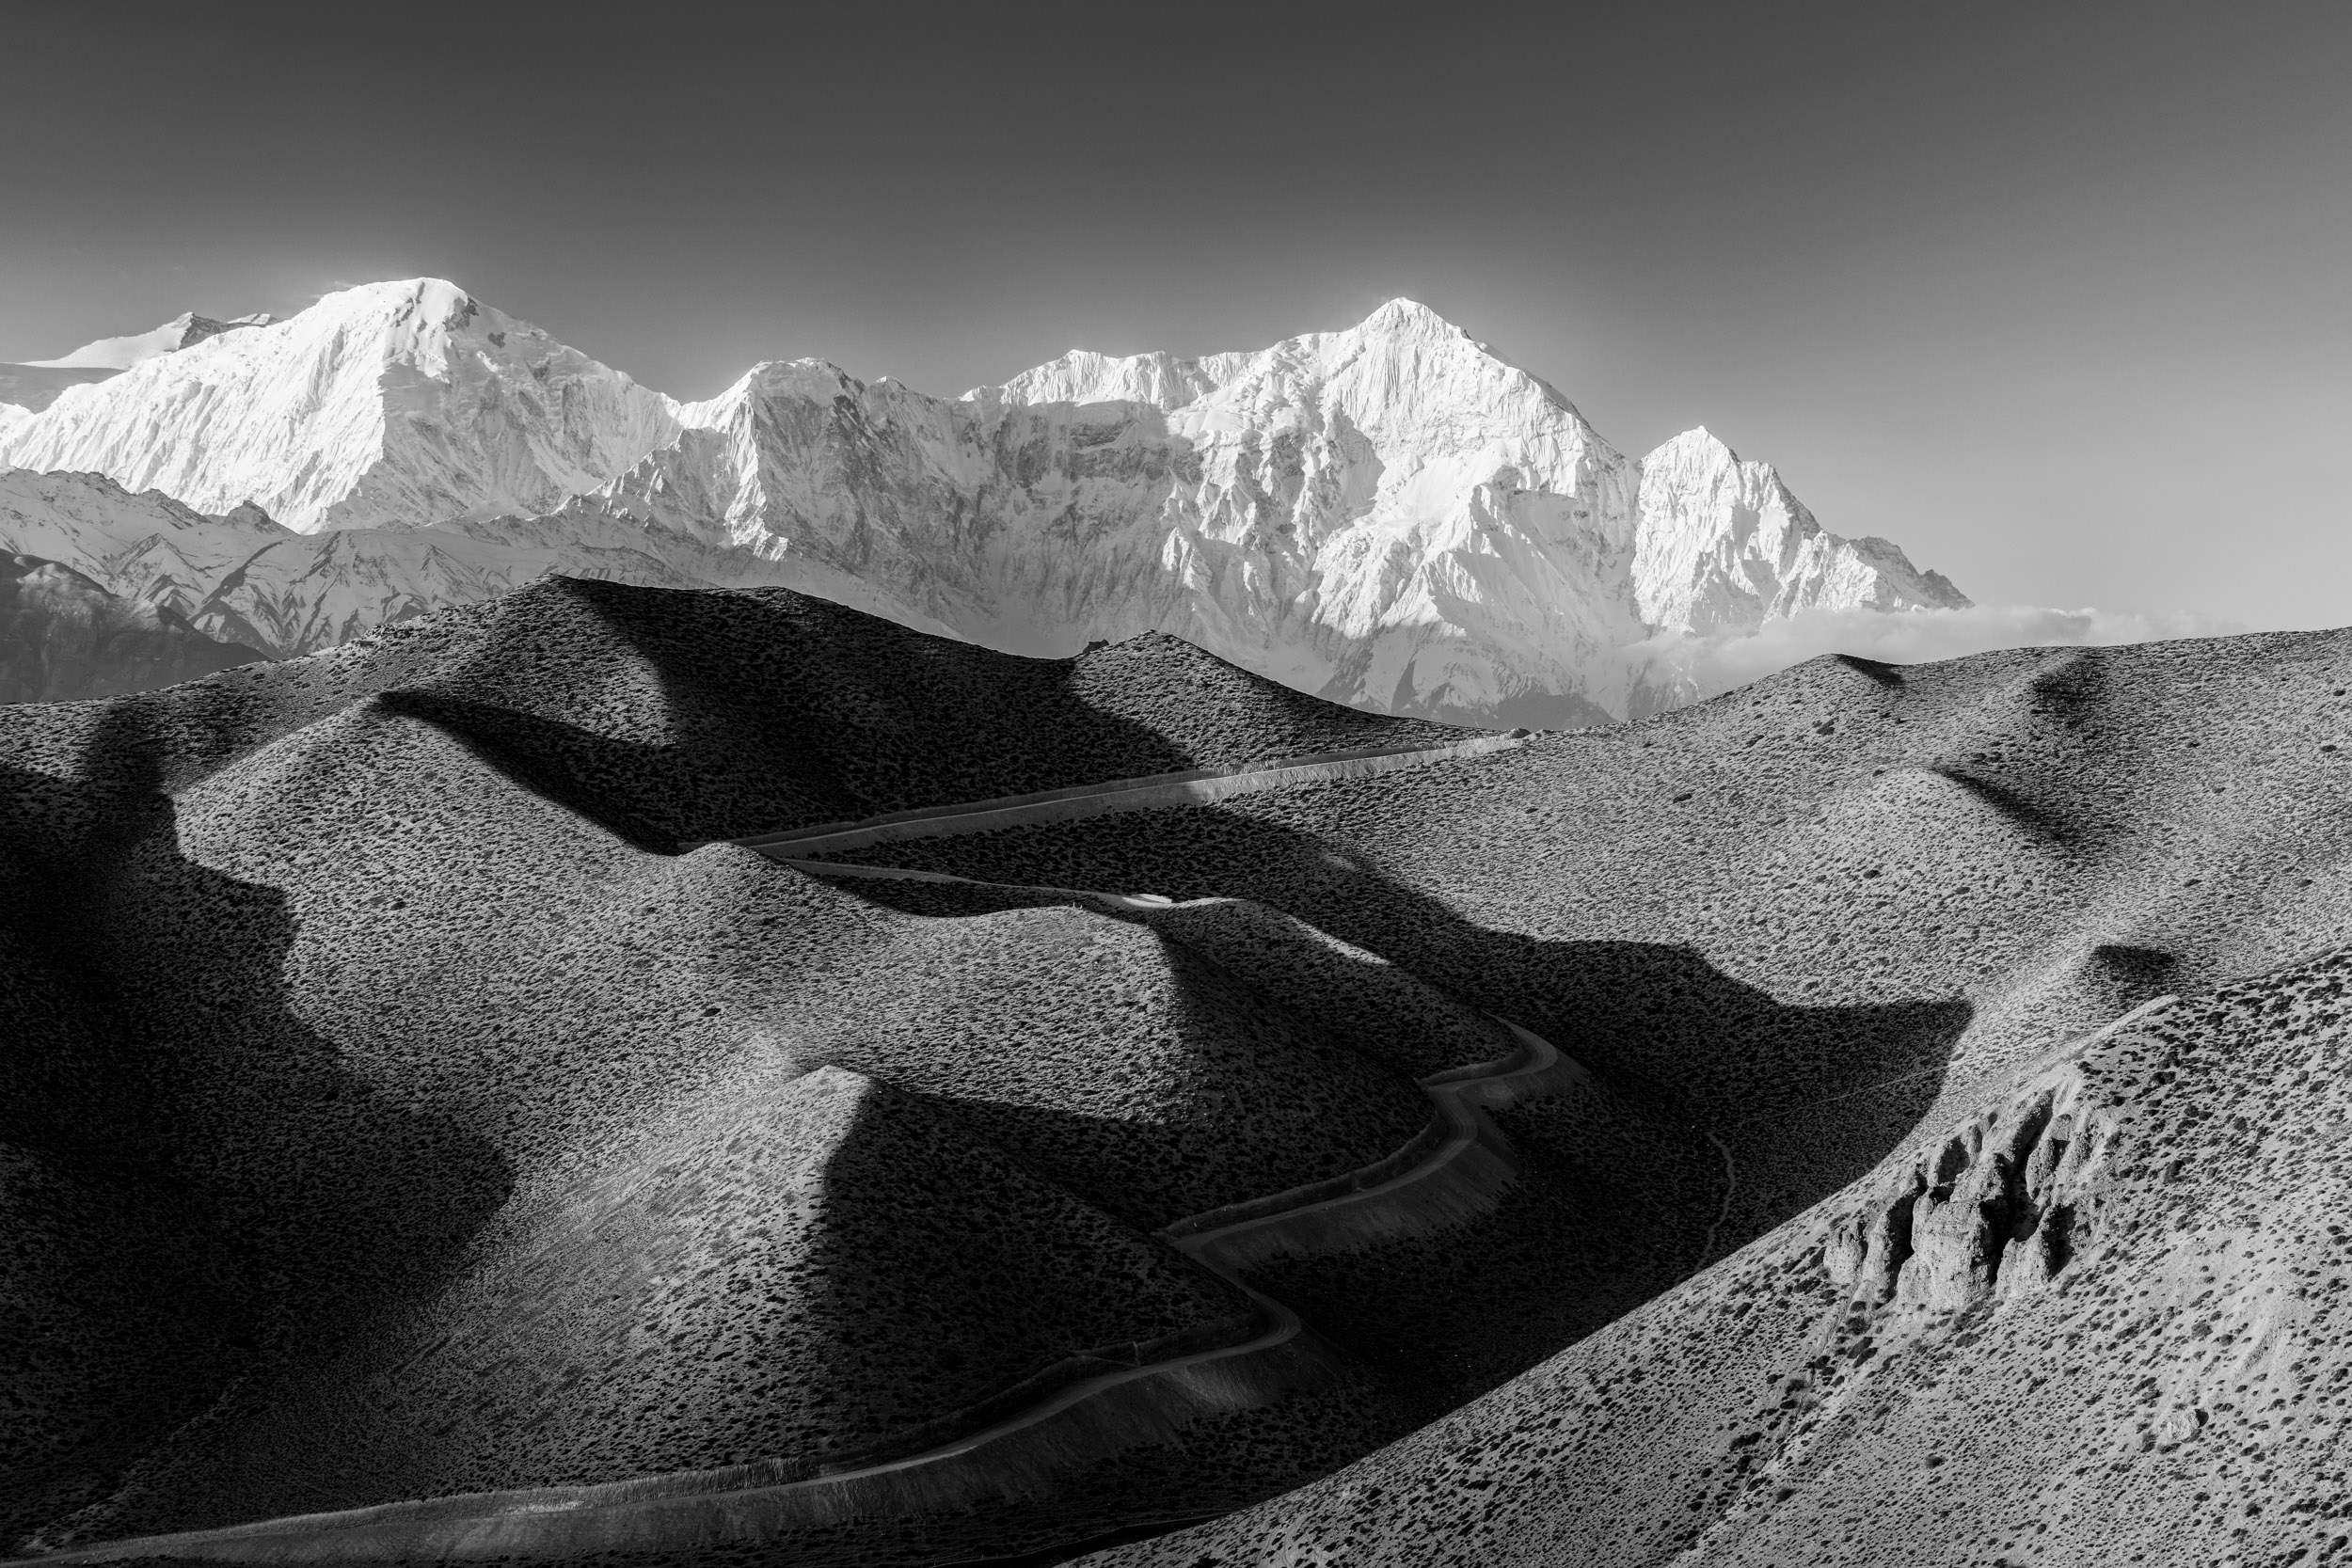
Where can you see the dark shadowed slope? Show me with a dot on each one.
(2098, 1319)
(789, 1270)
(457, 1104)
(673, 716)
(1810, 917)
(683, 716)
(1807, 913)
(123, 1302)
(476, 1143)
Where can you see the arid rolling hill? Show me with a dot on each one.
(399, 1042)
(1847, 922)
(401, 1105)
(2100, 1320)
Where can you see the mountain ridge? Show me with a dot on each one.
(395, 403)
(1389, 516)
(184, 330)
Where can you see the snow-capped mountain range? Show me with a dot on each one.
(1390, 515)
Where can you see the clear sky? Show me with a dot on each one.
(2056, 295)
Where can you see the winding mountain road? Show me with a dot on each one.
(1190, 787)
(1453, 1170)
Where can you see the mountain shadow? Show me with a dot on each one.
(1714, 1113)
(1800, 1100)
(205, 1190)
(1727, 1109)
(674, 718)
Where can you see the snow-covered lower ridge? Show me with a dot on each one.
(392, 404)
(240, 577)
(1389, 516)
(28, 388)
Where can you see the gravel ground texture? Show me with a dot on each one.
(369, 989)
(435, 1092)
(2099, 1317)
(1807, 916)
(671, 715)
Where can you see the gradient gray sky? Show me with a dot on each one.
(2054, 295)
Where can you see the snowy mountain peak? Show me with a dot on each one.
(1404, 317)
(819, 379)
(429, 322)
(1699, 443)
(1391, 515)
(398, 404)
(1403, 368)
(425, 322)
(1170, 381)
(1725, 547)
(184, 330)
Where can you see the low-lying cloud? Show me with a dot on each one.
(1713, 665)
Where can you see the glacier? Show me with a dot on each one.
(1390, 515)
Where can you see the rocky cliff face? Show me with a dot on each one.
(1390, 515)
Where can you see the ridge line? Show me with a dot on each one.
(1190, 786)
(1472, 1165)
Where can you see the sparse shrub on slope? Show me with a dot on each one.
(439, 1075)
(2100, 1318)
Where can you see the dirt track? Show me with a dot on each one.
(1456, 1170)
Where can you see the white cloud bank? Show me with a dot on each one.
(1710, 666)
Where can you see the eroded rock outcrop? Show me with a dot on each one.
(1991, 1211)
